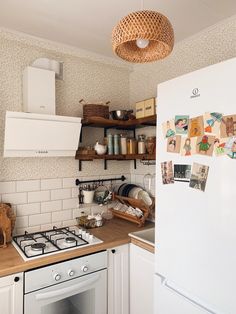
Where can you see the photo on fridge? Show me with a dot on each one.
(182, 173)
(167, 172)
(228, 126)
(173, 144)
(188, 146)
(199, 176)
(196, 127)
(220, 146)
(168, 128)
(205, 145)
(212, 121)
(230, 147)
(181, 124)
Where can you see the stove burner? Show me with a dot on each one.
(70, 240)
(38, 246)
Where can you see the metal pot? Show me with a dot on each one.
(120, 114)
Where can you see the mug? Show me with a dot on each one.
(88, 196)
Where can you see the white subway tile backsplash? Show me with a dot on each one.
(28, 209)
(51, 206)
(40, 204)
(68, 223)
(29, 185)
(28, 229)
(68, 182)
(75, 192)
(7, 187)
(61, 215)
(15, 198)
(60, 194)
(50, 226)
(70, 203)
(49, 184)
(22, 222)
(39, 219)
(39, 196)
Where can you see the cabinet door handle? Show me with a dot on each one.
(113, 251)
(16, 279)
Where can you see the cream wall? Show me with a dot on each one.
(210, 46)
(86, 75)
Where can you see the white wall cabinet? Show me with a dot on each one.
(118, 280)
(141, 280)
(11, 294)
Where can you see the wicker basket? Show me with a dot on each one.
(95, 110)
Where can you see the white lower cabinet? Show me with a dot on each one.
(141, 280)
(11, 294)
(118, 280)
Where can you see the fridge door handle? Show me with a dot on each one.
(184, 294)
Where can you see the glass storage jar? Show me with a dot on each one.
(141, 144)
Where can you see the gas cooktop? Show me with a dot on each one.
(56, 240)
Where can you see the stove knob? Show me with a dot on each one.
(71, 272)
(57, 276)
(84, 268)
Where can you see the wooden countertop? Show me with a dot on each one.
(113, 233)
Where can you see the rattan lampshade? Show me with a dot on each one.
(149, 25)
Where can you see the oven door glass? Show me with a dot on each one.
(84, 295)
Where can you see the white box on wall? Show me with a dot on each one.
(39, 91)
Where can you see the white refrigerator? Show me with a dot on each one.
(195, 258)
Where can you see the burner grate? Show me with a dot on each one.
(50, 237)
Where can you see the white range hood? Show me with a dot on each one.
(40, 135)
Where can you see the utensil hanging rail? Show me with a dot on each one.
(78, 182)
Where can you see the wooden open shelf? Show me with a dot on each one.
(98, 122)
(116, 157)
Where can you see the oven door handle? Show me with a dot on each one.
(71, 289)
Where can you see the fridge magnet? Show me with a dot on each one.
(212, 121)
(228, 126)
(181, 124)
(188, 146)
(198, 177)
(182, 173)
(167, 172)
(219, 146)
(168, 128)
(196, 127)
(173, 144)
(205, 145)
(230, 147)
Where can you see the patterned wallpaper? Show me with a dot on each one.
(88, 76)
(97, 78)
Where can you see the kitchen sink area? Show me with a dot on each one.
(147, 236)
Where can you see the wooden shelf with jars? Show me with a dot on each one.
(106, 124)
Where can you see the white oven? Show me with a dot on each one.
(77, 286)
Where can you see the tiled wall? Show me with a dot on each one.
(44, 203)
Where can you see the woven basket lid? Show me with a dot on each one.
(150, 25)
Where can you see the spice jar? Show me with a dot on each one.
(110, 144)
(116, 144)
(131, 146)
(151, 144)
(123, 144)
(141, 144)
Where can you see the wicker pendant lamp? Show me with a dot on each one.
(143, 36)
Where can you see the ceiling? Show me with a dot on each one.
(87, 24)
